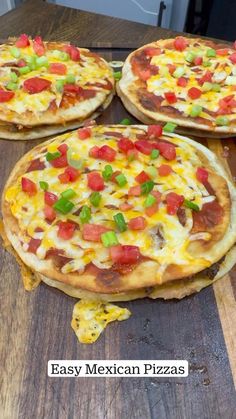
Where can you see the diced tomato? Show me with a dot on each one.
(124, 145)
(60, 162)
(28, 186)
(124, 254)
(63, 148)
(49, 213)
(22, 41)
(84, 133)
(164, 170)
(57, 68)
(36, 164)
(154, 131)
(64, 178)
(135, 190)
(167, 150)
(142, 177)
(171, 68)
(145, 74)
(36, 85)
(173, 201)
(6, 96)
(50, 198)
(202, 175)
(73, 89)
(227, 103)
(66, 230)
(198, 60)
(194, 93)
(21, 63)
(149, 211)
(73, 52)
(222, 51)
(132, 154)
(137, 223)
(170, 97)
(180, 43)
(107, 153)
(157, 195)
(38, 46)
(232, 58)
(95, 181)
(33, 245)
(154, 69)
(92, 232)
(182, 81)
(207, 77)
(144, 146)
(125, 206)
(94, 152)
(71, 174)
(152, 51)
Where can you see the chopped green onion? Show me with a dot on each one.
(196, 110)
(85, 214)
(206, 63)
(147, 187)
(169, 127)
(24, 70)
(120, 222)
(125, 121)
(206, 87)
(191, 205)
(117, 75)
(152, 171)
(121, 180)
(15, 52)
(149, 201)
(53, 156)
(31, 61)
(11, 86)
(63, 205)
(43, 185)
(95, 198)
(211, 52)
(109, 239)
(13, 76)
(60, 85)
(154, 154)
(63, 56)
(41, 61)
(179, 72)
(68, 194)
(70, 78)
(107, 172)
(190, 57)
(222, 120)
(216, 87)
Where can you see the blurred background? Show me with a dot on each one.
(215, 18)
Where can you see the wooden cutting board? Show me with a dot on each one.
(35, 327)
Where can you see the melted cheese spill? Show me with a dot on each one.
(90, 318)
(164, 82)
(29, 210)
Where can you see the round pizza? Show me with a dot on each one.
(50, 87)
(122, 212)
(189, 82)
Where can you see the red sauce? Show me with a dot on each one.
(35, 165)
(210, 215)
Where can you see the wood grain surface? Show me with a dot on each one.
(35, 327)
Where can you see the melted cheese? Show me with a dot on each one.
(90, 318)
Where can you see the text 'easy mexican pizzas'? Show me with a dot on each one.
(49, 87)
(191, 82)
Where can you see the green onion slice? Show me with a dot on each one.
(53, 156)
(120, 222)
(147, 187)
(121, 180)
(125, 121)
(191, 205)
(63, 205)
(154, 154)
(107, 172)
(109, 239)
(43, 185)
(222, 120)
(68, 194)
(169, 127)
(149, 201)
(85, 214)
(95, 198)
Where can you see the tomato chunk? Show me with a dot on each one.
(36, 85)
(125, 254)
(154, 131)
(60, 162)
(152, 51)
(137, 223)
(50, 198)
(171, 68)
(142, 177)
(164, 170)
(6, 96)
(63, 148)
(202, 175)
(207, 77)
(144, 146)
(232, 58)
(182, 81)
(38, 46)
(33, 245)
(73, 52)
(92, 232)
(21, 63)
(28, 186)
(149, 211)
(198, 60)
(49, 213)
(124, 145)
(167, 150)
(222, 51)
(95, 181)
(84, 133)
(135, 190)
(107, 153)
(125, 206)
(194, 93)
(66, 230)
(180, 43)
(57, 68)
(170, 97)
(22, 41)
(173, 201)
